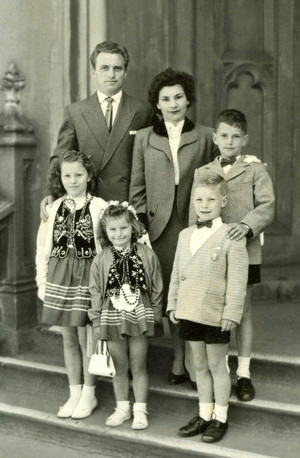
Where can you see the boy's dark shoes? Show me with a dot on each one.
(245, 389)
(215, 431)
(177, 379)
(195, 426)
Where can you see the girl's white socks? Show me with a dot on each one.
(87, 403)
(67, 409)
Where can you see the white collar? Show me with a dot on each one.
(174, 129)
(216, 223)
(116, 97)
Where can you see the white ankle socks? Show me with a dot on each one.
(123, 405)
(243, 369)
(67, 409)
(205, 410)
(221, 413)
(140, 420)
(87, 403)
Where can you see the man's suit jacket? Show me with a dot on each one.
(211, 284)
(152, 186)
(250, 199)
(84, 129)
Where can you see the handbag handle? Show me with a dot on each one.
(101, 348)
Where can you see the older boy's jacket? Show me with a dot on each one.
(210, 285)
(251, 199)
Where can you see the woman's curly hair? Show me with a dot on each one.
(170, 77)
(55, 185)
(117, 211)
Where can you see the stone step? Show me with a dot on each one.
(279, 283)
(275, 375)
(34, 391)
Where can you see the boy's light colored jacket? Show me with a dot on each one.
(45, 239)
(211, 285)
(251, 199)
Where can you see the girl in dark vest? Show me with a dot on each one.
(67, 243)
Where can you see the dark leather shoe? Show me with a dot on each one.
(215, 431)
(245, 389)
(177, 379)
(193, 385)
(195, 426)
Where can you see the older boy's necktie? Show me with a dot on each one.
(203, 224)
(225, 161)
(109, 112)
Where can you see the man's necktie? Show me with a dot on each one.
(225, 161)
(203, 224)
(109, 112)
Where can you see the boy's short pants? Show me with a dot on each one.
(189, 330)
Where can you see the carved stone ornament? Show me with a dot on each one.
(11, 118)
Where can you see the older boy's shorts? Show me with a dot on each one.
(189, 330)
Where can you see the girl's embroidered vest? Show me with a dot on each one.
(73, 233)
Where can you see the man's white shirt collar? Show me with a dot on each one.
(117, 97)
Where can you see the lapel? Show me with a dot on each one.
(94, 118)
(238, 168)
(189, 134)
(215, 166)
(160, 141)
(120, 127)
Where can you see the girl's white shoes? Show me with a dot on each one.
(81, 403)
(67, 409)
(140, 420)
(118, 417)
(122, 413)
(86, 405)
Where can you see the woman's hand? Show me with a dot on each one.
(172, 317)
(48, 200)
(228, 325)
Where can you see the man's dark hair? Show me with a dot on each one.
(112, 48)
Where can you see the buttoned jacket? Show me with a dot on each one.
(250, 199)
(152, 187)
(211, 284)
(84, 129)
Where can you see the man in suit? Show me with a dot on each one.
(103, 126)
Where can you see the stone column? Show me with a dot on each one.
(18, 315)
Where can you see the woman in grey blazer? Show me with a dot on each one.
(165, 157)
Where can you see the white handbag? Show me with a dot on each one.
(101, 362)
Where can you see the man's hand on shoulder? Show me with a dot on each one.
(44, 215)
(237, 231)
